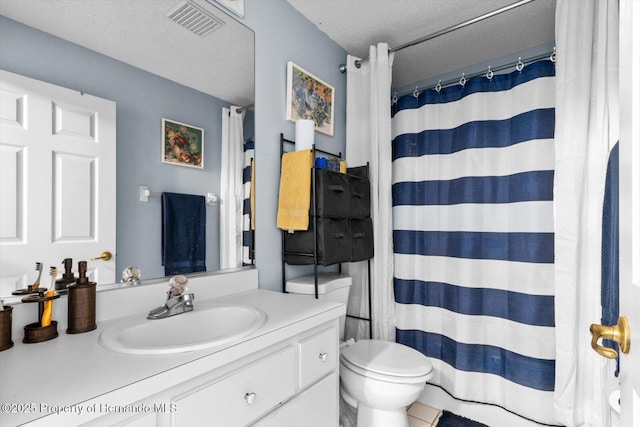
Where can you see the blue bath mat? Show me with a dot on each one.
(449, 419)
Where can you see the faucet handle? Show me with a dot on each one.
(178, 285)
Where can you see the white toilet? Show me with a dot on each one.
(379, 378)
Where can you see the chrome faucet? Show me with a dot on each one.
(174, 305)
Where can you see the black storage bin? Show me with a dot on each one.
(332, 194)
(360, 197)
(361, 239)
(359, 171)
(333, 243)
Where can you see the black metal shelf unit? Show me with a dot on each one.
(308, 253)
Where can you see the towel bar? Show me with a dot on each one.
(145, 192)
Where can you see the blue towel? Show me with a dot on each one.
(610, 284)
(183, 233)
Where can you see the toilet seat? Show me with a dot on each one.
(386, 361)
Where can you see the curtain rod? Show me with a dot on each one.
(246, 107)
(343, 67)
(519, 65)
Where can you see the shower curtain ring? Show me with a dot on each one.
(519, 65)
(416, 93)
(553, 55)
(438, 87)
(394, 99)
(462, 81)
(489, 73)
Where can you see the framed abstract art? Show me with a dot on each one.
(308, 97)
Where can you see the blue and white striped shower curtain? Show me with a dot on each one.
(247, 232)
(473, 236)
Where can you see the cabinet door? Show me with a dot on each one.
(316, 407)
(317, 356)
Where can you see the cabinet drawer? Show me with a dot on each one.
(318, 355)
(314, 407)
(240, 397)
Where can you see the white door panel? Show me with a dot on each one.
(57, 182)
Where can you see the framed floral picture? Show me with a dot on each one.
(308, 97)
(182, 144)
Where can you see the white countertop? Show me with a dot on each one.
(71, 371)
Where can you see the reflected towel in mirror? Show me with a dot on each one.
(183, 233)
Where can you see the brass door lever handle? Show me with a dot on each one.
(619, 333)
(105, 256)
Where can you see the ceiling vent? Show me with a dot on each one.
(194, 18)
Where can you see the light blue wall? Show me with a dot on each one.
(142, 100)
(282, 35)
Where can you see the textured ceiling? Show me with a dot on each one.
(139, 33)
(357, 24)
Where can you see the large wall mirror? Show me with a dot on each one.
(181, 60)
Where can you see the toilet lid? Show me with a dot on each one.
(387, 358)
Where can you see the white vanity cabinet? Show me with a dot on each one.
(289, 384)
(283, 374)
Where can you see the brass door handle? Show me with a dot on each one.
(105, 256)
(619, 333)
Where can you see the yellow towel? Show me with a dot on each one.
(295, 191)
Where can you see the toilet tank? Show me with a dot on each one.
(331, 286)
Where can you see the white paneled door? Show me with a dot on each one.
(57, 181)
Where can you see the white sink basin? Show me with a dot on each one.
(206, 326)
